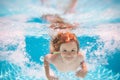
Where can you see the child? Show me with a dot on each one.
(65, 55)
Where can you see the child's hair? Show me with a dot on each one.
(61, 38)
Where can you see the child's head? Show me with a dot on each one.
(67, 45)
(64, 38)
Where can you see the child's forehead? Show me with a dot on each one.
(69, 44)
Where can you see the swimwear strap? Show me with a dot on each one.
(56, 52)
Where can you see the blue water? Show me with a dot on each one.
(25, 39)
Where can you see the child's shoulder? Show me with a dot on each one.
(80, 55)
(51, 57)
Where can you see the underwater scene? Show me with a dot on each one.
(25, 38)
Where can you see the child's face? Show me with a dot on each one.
(68, 51)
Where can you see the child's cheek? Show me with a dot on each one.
(62, 54)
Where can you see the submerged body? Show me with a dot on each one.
(58, 62)
(65, 56)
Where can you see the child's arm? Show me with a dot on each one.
(47, 71)
(82, 73)
(83, 65)
(46, 66)
(84, 68)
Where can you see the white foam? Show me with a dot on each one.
(14, 29)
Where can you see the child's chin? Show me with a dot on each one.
(68, 60)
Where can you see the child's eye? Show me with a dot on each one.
(64, 50)
(72, 50)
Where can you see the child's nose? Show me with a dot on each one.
(69, 53)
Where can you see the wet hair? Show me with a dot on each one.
(61, 38)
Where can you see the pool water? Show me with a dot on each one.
(25, 39)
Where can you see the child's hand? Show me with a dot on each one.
(52, 78)
(81, 73)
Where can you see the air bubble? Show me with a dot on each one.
(41, 58)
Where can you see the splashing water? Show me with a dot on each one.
(24, 40)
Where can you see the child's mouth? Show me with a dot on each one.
(69, 58)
